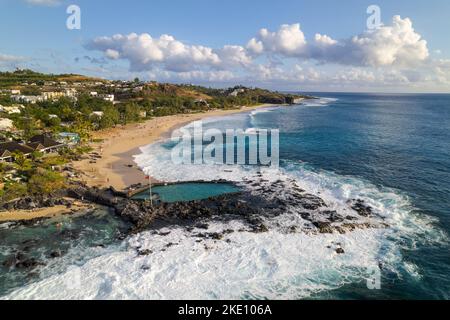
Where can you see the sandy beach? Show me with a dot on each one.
(115, 165)
(50, 212)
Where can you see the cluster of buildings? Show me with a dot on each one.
(106, 97)
(72, 93)
(41, 143)
(44, 96)
(14, 109)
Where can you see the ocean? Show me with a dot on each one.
(392, 151)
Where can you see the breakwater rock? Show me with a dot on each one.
(258, 204)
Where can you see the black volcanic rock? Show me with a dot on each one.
(361, 208)
(257, 203)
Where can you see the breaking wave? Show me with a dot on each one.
(245, 265)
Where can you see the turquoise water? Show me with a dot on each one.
(188, 191)
(392, 150)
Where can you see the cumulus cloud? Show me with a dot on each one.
(145, 52)
(393, 54)
(390, 45)
(288, 40)
(232, 56)
(397, 44)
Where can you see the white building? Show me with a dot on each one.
(236, 92)
(28, 99)
(107, 97)
(52, 95)
(14, 109)
(98, 114)
(6, 124)
(71, 93)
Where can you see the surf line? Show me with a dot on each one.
(193, 145)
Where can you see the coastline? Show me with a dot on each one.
(114, 165)
(49, 212)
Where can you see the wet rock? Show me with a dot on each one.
(216, 236)
(30, 242)
(145, 252)
(361, 208)
(305, 215)
(20, 261)
(171, 244)
(260, 229)
(56, 254)
(324, 227)
(260, 201)
(333, 216)
(70, 234)
(9, 262)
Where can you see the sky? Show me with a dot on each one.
(300, 45)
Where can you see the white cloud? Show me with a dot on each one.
(44, 2)
(145, 53)
(324, 40)
(234, 56)
(395, 45)
(288, 40)
(393, 55)
(112, 54)
(398, 44)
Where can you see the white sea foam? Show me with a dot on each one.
(272, 265)
(275, 264)
(262, 110)
(320, 102)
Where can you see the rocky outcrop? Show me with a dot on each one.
(22, 261)
(359, 206)
(257, 205)
(37, 202)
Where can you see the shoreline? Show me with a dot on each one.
(48, 212)
(114, 164)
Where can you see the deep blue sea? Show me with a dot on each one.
(396, 141)
(392, 151)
